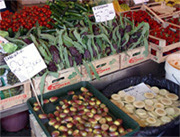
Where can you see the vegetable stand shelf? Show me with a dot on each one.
(139, 69)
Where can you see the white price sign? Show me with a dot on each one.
(140, 1)
(25, 63)
(104, 12)
(2, 4)
(138, 91)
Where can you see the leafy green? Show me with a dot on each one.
(48, 37)
(77, 70)
(94, 70)
(79, 39)
(42, 84)
(54, 74)
(44, 53)
(66, 58)
(9, 47)
(79, 47)
(88, 70)
(90, 48)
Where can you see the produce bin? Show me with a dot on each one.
(159, 52)
(152, 81)
(114, 111)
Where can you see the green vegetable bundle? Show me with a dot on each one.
(68, 13)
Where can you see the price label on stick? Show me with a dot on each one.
(25, 63)
(104, 12)
(140, 1)
(138, 91)
(2, 4)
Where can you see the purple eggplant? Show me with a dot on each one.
(78, 59)
(52, 67)
(27, 41)
(95, 29)
(131, 40)
(94, 52)
(138, 34)
(87, 54)
(115, 46)
(121, 31)
(128, 28)
(55, 54)
(114, 24)
(84, 33)
(74, 51)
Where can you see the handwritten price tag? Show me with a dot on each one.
(2, 4)
(104, 12)
(140, 1)
(138, 91)
(26, 62)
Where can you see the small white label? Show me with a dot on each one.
(138, 91)
(2, 4)
(104, 12)
(140, 1)
(25, 63)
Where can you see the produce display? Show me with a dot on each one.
(120, 6)
(142, 16)
(69, 13)
(81, 114)
(171, 34)
(170, 3)
(156, 110)
(173, 20)
(26, 19)
(71, 47)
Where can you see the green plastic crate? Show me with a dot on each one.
(114, 111)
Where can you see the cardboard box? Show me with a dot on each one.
(65, 78)
(18, 99)
(133, 57)
(103, 66)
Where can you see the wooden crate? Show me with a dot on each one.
(36, 130)
(133, 57)
(18, 99)
(161, 49)
(29, 2)
(103, 66)
(66, 77)
(172, 16)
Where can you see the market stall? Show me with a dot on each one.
(51, 52)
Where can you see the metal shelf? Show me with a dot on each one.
(142, 69)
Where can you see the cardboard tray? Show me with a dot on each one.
(114, 111)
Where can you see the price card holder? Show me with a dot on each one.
(25, 63)
(104, 12)
(140, 1)
(138, 91)
(2, 4)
